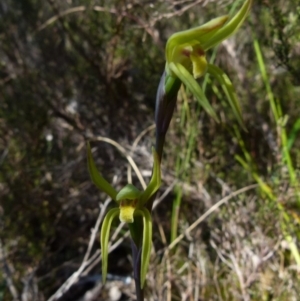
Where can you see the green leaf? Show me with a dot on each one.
(97, 179)
(228, 29)
(147, 242)
(229, 90)
(188, 80)
(154, 182)
(105, 230)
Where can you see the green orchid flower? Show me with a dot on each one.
(131, 203)
(186, 58)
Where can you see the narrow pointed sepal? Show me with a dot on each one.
(104, 236)
(229, 28)
(155, 181)
(229, 91)
(189, 81)
(147, 242)
(96, 177)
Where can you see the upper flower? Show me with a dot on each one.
(188, 47)
(186, 57)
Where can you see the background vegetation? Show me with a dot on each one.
(74, 70)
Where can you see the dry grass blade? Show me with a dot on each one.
(208, 212)
(122, 150)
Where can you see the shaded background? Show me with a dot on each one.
(76, 70)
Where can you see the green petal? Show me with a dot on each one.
(197, 33)
(105, 230)
(147, 242)
(228, 29)
(154, 182)
(97, 179)
(193, 86)
(228, 90)
(129, 192)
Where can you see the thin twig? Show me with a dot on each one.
(110, 249)
(240, 277)
(75, 276)
(95, 230)
(166, 192)
(122, 150)
(134, 145)
(7, 274)
(71, 11)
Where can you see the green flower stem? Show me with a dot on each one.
(277, 113)
(175, 212)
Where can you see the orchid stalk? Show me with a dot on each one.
(185, 63)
